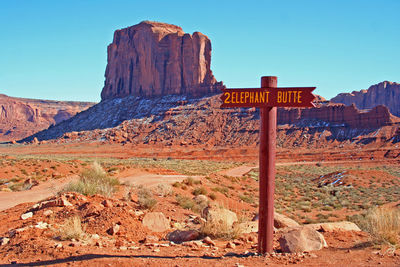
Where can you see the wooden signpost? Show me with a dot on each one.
(267, 98)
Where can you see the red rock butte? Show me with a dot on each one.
(155, 59)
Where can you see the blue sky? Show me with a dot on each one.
(57, 49)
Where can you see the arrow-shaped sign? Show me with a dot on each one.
(268, 97)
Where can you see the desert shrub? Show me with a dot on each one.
(164, 190)
(189, 181)
(199, 191)
(220, 229)
(224, 190)
(71, 229)
(145, 198)
(212, 196)
(177, 184)
(246, 198)
(185, 202)
(383, 224)
(93, 181)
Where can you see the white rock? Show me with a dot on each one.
(27, 215)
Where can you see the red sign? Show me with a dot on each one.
(268, 97)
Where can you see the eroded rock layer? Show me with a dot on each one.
(384, 93)
(155, 59)
(181, 121)
(20, 117)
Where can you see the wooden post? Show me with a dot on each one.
(267, 172)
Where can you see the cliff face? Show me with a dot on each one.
(384, 93)
(339, 115)
(21, 117)
(154, 59)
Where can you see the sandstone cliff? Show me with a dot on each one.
(339, 115)
(20, 117)
(384, 93)
(154, 59)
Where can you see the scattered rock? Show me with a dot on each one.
(113, 230)
(156, 222)
(207, 240)
(302, 239)
(230, 245)
(179, 236)
(27, 215)
(107, 203)
(4, 241)
(151, 239)
(47, 212)
(42, 225)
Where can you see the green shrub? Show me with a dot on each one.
(185, 202)
(93, 181)
(199, 191)
(145, 198)
(212, 196)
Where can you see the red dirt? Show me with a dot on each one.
(34, 246)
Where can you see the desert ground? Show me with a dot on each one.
(153, 210)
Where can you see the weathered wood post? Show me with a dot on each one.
(267, 171)
(267, 98)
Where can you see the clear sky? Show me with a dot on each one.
(57, 49)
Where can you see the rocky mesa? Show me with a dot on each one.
(21, 117)
(155, 59)
(384, 93)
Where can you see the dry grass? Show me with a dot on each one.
(220, 228)
(94, 181)
(383, 224)
(145, 198)
(71, 229)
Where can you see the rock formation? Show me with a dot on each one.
(21, 117)
(384, 93)
(337, 115)
(154, 59)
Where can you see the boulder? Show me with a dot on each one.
(179, 236)
(26, 215)
(153, 59)
(220, 215)
(156, 222)
(335, 226)
(281, 221)
(301, 239)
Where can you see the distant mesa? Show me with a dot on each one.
(156, 59)
(385, 93)
(21, 117)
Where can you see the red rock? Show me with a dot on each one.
(179, 236)
(384, 93)
(302, 239)
(156, 222)
(21, 117)
(153, 59)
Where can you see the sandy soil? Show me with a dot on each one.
(29, 245)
